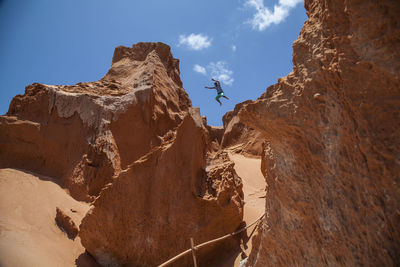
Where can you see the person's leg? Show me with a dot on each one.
(217, 98)
(222, 95)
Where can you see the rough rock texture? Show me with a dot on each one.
(240, 137)
(87, 133)
(133, 145)
(216, 133)
(332, 126)
(148, 214)
(66, 224)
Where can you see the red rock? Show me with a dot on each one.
(332, 161)
(239, 137)
(83, 135)
(66, 224)
(150, 211)
(132, 143)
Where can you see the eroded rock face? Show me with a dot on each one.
(133, 144)
(87, 133)
(332, 127)
(150, 211)
(238, 136)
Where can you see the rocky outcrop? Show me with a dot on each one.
(133, 145)
(66, 224)
(332, 127)
(238, 136)
(150, 211)
(87, 133)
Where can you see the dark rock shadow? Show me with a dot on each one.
(241, 240)
(86, 260)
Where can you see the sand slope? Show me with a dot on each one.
(254, 185)
(249, 169)
(28, 233)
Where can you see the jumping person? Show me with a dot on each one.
(220, 93)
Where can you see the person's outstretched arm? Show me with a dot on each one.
(209, 87)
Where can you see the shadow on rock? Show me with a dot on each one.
(86, 260)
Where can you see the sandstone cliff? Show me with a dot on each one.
(332, 127)
(147, 214)
(328, 135)
(86, 133)
(132, 144)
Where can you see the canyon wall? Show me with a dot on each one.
(148, 214)
(328, 135)
(331, 156)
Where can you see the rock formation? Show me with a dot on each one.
(132, 144)
(66, 223)
(87, 133)
(238, 136)
(328, 135)
(331, 159)
(150, 211)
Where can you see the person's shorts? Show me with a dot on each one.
(219, 95)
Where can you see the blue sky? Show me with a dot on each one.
(246, 43)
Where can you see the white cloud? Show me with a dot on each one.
(195, 41)
(264, 17)
(199, 69)
(220, 71)
(233, 48)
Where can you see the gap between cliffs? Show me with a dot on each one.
(254, 189)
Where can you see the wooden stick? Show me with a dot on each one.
(207, 243)
(174, 258)
(193, 252)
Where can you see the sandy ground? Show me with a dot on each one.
(28, 233)
(249, 169)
